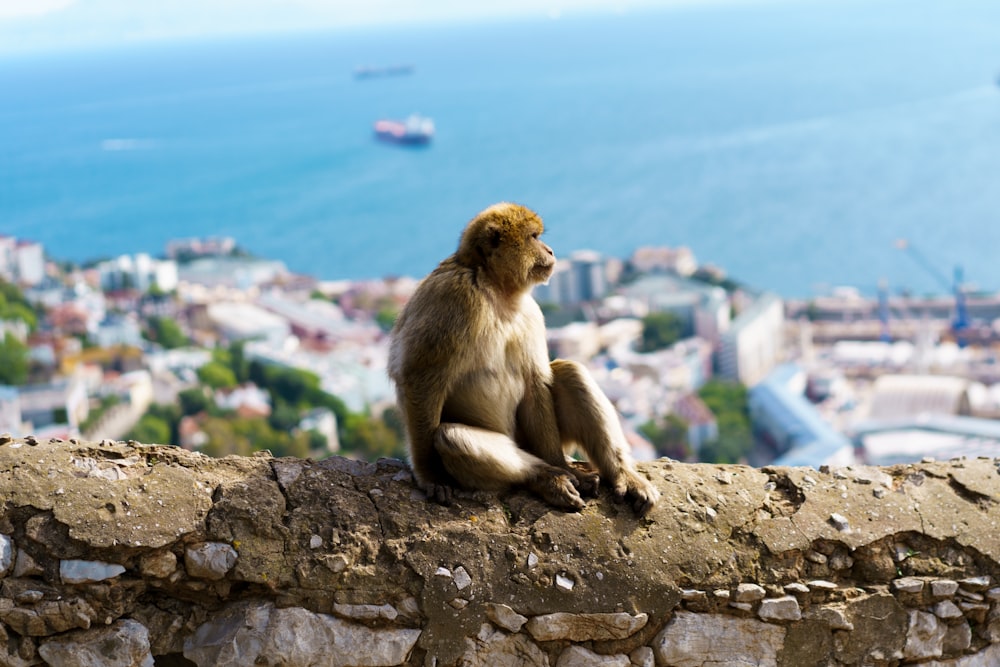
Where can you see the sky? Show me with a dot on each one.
(47, 25)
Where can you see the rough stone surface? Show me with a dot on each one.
(123, 644)
(262, 634)
(689, 639)
(925, 638)
(209, 560)
(502, 650)
(578, 656)
(505, 617)
(585, 627)
(283, 561)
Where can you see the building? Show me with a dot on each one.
(29, 263)
(139, 272)
(939, 436)
(678, 260)
(752, 345)
(783, 418)
(21, 261)
(703, 310)
(581, 278)
(62, 401)
(244, 321)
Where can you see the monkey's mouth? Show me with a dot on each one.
(542, 272)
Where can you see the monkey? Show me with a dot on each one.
(484, 409)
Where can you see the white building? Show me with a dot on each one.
(140, 272)
(30, 263)
(752, 345)
(10, 411)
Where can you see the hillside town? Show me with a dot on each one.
(218, 351)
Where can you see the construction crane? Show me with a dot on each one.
(960, 322)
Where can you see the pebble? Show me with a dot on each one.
(840, 522)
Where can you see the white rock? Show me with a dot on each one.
(462, 578)
(577, 656)
(87, 571)
(695, 640)
(840, 522)
(585, 627)
(443, 572)
(796, 587)
(315, 542)
(564, 583)
(123, 644)
(505, 617)
(780, 609)
(532, 560)
(6, 554)
(944, 588)
(925, 636)
(821, 585)
(976, 584)
(642, 657)
(209, 560)
(947, 609)
(908, 585)
(249, 634)
(749, 593)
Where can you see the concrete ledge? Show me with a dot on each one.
(176, 558)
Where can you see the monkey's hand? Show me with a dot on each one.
(557, 487)
(638, 491)
(587, 479)
(440, 493)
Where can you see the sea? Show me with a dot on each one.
(793, 144)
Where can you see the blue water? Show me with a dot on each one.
(789, 143)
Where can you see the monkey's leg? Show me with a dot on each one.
(490, 461)
(586, 416)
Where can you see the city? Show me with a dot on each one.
(221, 352)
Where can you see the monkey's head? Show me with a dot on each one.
(504, 241)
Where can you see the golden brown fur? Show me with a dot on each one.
(483, 406)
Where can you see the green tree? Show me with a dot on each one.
(217, 375)
(728, 402)
(371, 438)
(151, 430)
(669, 436)
(14, 361)
(166, 332)
(193, 401)
(660, 331)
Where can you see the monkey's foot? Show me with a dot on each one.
(638, 491)
(557, 488)
(587, 479)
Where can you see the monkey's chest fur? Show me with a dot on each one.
(508, 358)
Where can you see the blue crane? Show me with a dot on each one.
(960, 322)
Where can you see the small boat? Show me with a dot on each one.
(414, 130)
(373, 71)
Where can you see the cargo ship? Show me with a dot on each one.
(415, 130)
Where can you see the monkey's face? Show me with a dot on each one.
(505, 240)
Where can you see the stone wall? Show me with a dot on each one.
(123, 554)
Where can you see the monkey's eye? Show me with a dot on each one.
(535, 235)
